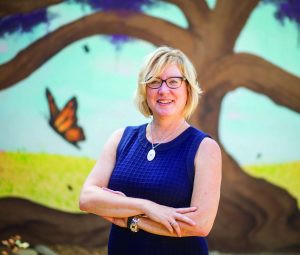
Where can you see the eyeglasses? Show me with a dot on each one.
(172, 82)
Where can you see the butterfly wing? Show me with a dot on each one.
(52, 105)
(74, 134)
(66, 118)
(64, 122)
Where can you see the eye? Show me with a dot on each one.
(155, 81)
(173, 81)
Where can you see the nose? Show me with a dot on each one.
(163, 88)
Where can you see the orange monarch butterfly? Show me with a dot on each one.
(64, 121)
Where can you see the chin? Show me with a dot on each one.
(166, 114)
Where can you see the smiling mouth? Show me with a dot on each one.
(164, 101)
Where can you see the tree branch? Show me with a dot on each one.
(196, 12)
(256, 74)
(227, 20)
(132, 24)
(12, 7)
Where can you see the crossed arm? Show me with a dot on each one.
(115, 207)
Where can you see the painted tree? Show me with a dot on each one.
(254, 215)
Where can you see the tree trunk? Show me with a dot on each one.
(38, 224)
(254, 215)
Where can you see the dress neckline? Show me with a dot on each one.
(163, 146)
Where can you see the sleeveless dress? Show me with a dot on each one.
(167, 180)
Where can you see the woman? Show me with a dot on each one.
(162, 178)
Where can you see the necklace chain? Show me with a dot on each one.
(151, 126)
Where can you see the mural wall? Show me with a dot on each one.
(65, 89)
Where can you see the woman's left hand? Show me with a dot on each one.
(121, 222)
(114, 191)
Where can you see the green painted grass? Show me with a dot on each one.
(51, 180)
(55, 181)
(284, 175)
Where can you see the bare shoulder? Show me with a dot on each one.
(111, 145)
(209, 152)
(117, 134)
(209, 146)
(102, 170)
(115, 138)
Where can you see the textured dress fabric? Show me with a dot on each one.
(166, 180)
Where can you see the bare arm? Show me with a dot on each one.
(96, 200)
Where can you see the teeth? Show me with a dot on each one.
(165, 101)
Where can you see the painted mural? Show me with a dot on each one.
(64, 90)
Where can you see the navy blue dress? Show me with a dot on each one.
(167, 180)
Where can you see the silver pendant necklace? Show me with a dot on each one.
(151, 153)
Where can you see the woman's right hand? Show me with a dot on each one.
(168, 216)
(165, 215)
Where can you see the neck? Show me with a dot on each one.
(166, 129)
(168, 124)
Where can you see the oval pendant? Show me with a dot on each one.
(151, 155)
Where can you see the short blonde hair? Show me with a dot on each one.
(153, 66)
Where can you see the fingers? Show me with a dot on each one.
(186, 210)
(114, 191)
(185, 219)
(174, 224)
(120, 193)
(110, 219)
(117, 221)
(180, 214)
(168, 226)
(169, 217)
(120, 222)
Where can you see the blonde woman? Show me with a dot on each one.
(158, 183)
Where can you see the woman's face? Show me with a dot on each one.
(167, 102)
